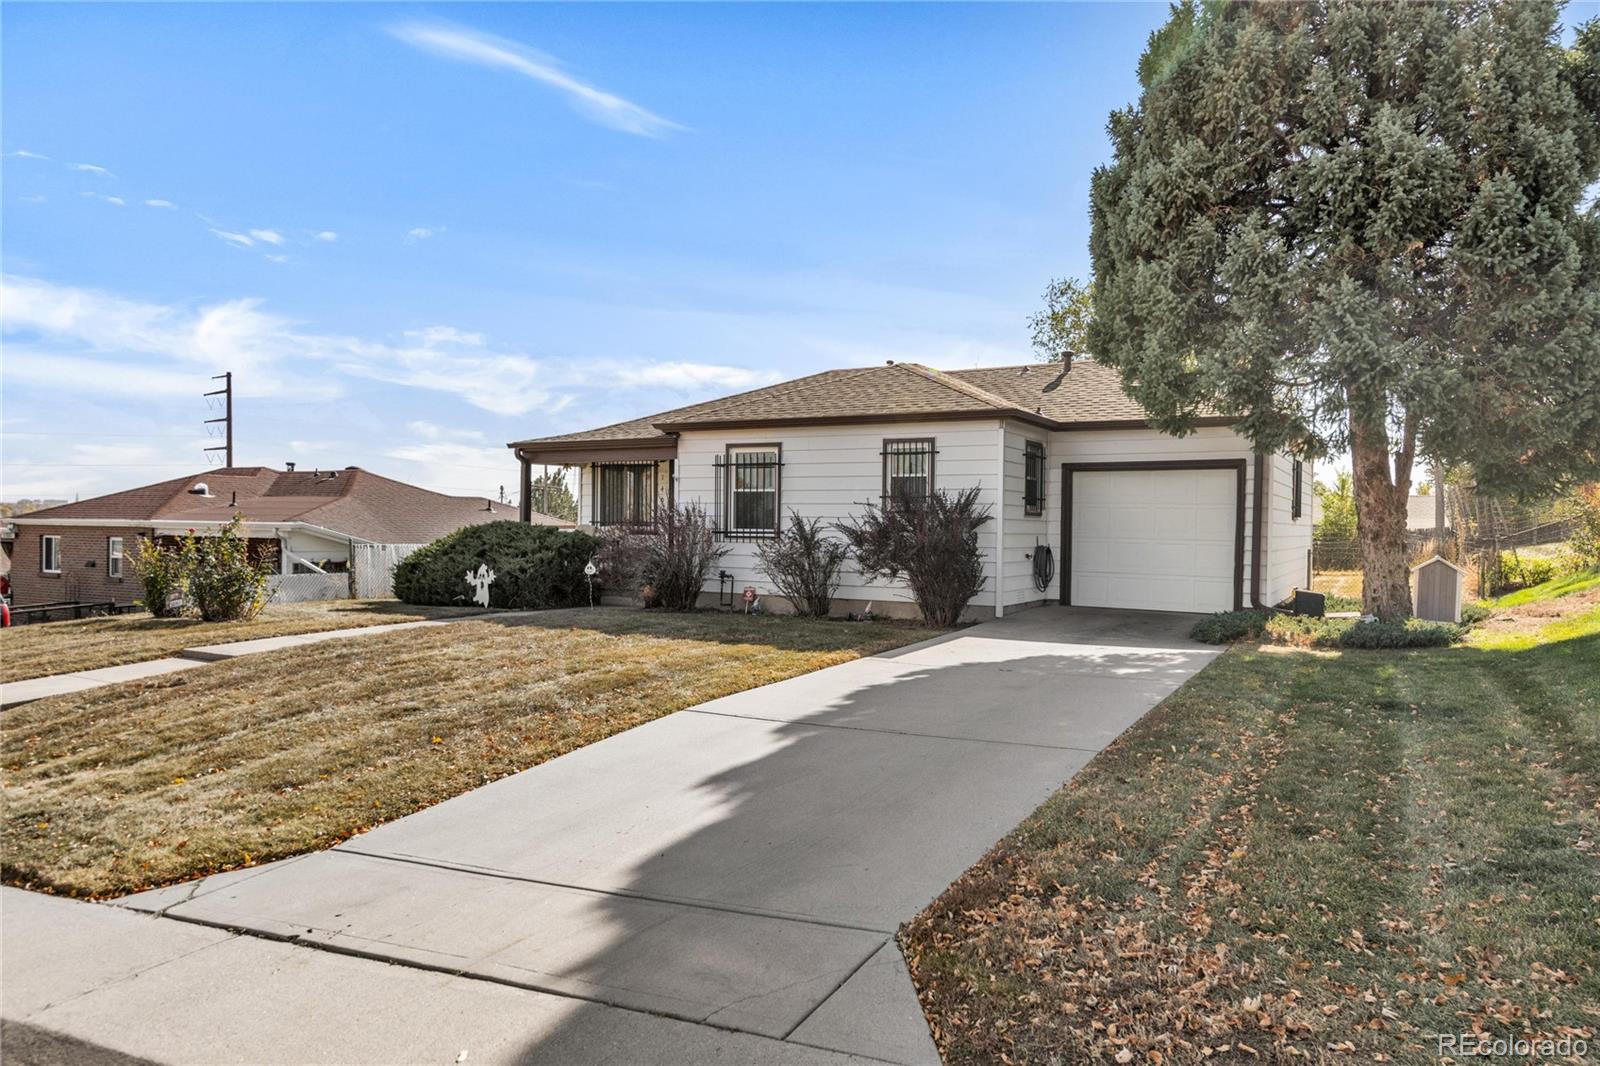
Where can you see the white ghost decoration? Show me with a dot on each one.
(480, 582)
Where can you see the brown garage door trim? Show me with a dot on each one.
(1238, 467)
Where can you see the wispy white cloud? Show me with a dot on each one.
(327, 236)
(119, 201)
(446, 335)
(23, 153)
(267, 236)
(689, 377)
(69, 337)
(469, 46)
(238, 239)
(433, 431)
(419, 233)
(168, 204)
(90, 168)
(277, 259)
(32, 198)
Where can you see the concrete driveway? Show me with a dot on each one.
(743, 864)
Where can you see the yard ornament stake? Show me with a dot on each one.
(480, 582)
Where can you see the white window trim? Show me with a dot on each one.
(43, 540)
(114, 556)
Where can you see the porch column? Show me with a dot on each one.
(525, 506)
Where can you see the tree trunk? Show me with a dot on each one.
(1381, 521)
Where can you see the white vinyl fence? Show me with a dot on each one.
(373, 566)
(303, 588)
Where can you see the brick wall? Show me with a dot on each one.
(81, 546)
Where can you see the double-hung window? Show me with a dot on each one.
(50, 554)
(755, 476)
(113, 556)
(907, 469)
(1298, 490)
(1033, 477)
(625, 494)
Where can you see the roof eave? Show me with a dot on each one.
(860, 419)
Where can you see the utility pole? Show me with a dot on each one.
(226, 392)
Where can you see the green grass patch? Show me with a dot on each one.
(1582, 581)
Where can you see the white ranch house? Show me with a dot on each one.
(1133, 517)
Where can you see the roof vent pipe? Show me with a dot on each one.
(234, 502)
(289, 466)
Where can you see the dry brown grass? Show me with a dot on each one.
(1299, 857)
(123, 788)
(44, 648)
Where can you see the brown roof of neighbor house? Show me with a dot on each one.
(352, 501)
(1089, 394)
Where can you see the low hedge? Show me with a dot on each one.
(1227, 627)
(535, 567)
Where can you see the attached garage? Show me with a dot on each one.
(1154, 536)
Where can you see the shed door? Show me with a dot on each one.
(1155, 540)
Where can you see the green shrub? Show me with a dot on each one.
(804, 565)
(1341, 603)
(1304, 631)
(535, 567)
(1225, 627)
(1585, 544)
(1473, 613)
(1411, 633)
(223, 583)
(160, 574)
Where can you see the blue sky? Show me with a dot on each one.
(418, 232)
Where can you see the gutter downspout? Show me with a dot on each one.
(1000, 532)
(1258, 494)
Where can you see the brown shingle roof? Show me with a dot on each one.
(1038, 392)
(354, 502)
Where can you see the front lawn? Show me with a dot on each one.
(132, 786)
(1313, 855)
(42, 648)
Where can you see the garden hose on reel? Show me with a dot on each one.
(1044, 566)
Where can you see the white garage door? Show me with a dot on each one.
(1155, 540)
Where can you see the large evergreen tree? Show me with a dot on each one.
(1363, 226)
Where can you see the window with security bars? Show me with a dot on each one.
(907, 469)
(1033, 477)
(625, 494)
(749, 491)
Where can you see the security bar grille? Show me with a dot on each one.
(748, 492)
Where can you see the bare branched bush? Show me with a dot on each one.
(805, 565)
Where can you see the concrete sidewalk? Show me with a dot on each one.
(83, 984)
(743, 864)
(37, 688)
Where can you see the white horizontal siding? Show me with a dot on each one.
(1288, 538)
(1023, 533)
(830, 472)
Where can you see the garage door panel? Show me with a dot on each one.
(1154, 539)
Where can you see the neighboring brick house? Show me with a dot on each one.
(305, 521)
